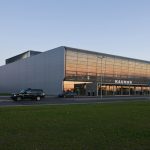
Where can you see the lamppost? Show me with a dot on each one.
(101, 57)
(149, 89)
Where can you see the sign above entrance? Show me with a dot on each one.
(123, 82)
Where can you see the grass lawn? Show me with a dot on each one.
(112, 126)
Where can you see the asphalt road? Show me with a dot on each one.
(6, 101)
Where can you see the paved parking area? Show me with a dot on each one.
(7, 101)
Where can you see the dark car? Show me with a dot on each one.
(67, 94)
(28, 94)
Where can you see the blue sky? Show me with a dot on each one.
(120, 27)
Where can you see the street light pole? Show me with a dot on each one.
(101, 78)
(149, 89)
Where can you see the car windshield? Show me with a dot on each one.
(22, 91)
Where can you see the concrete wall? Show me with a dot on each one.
(44, 71)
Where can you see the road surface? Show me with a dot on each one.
(6, 101)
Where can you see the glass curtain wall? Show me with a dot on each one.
(87, 67)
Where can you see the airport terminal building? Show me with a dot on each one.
(71, 69)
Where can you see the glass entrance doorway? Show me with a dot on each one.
(94, 89)
(80, 89)
(123, 90)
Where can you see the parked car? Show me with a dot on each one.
(67, 94)
(28, 94)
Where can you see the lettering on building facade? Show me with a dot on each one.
(123, 82)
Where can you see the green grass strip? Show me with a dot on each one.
(112, 126)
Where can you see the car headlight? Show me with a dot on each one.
(14, 94)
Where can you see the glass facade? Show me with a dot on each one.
(113, 75)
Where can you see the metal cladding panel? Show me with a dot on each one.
(44, 71)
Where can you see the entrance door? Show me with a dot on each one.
(118, 90)
(125, 90)
(80, 89)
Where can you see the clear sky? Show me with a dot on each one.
(120, 27)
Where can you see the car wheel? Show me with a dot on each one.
(38, 98)
(18, 98)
